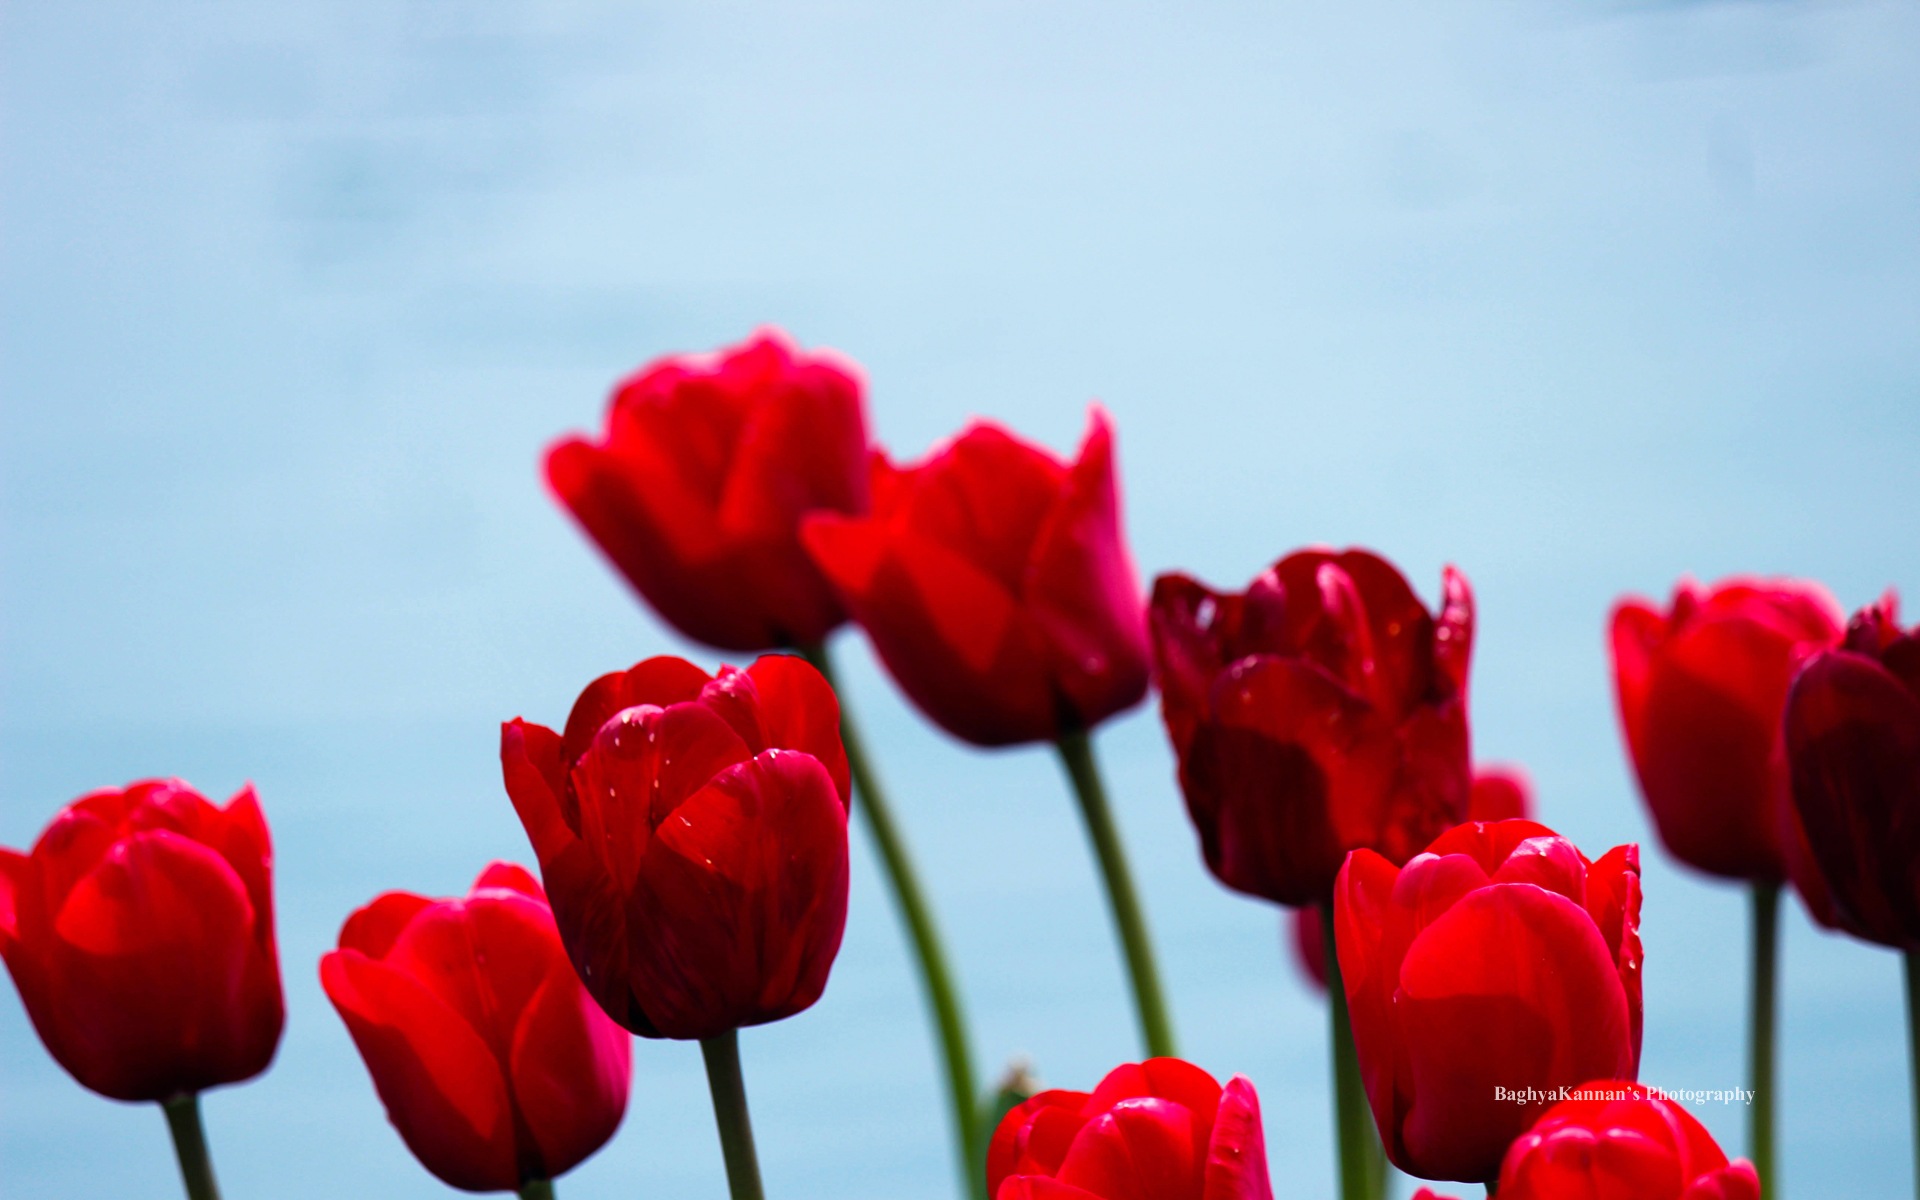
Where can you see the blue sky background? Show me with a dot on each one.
(1579, 297)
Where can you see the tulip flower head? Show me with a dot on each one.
(1701, 688)
(995, 584)
(493, 1062)
(1853, 742)
(1620, 1141)
(1157, 1130)
(139, 930)
(1322, 710)
(1496, 961)
(696, 489)
(692, 836)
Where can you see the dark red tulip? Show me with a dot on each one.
(1500, 793)
(1322, 710)
(1499, 958)
(139, 931)
(1620, 1141)
(696, 489)
(1701, 688)
(692, 834)
(1157, 1130)
(995, 584)
(1853, 741)
(495, 1065)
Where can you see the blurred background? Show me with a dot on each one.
(1577, 296)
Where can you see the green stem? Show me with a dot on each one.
(1761, 1035)
(190, 1144)
(537, 1189)
(1076, 752)
(722, 1055)
(1913, 1049)
(936, 976)
(1353, 1120)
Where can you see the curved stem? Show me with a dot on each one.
(1761, 1036)
(722, 1055)
(537, 1189)
(190, 1145)
(936, 976)
(1076, 752)
(1353, 1121)
(1912, 958)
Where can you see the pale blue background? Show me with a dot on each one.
(1577, 296)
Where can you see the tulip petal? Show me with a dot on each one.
(1237, 1151)
(1142, 1148)
(510, 877)
(1041, 1187)
(1735, 1181)
(15, 868)
(482, 957)
(439, 1080)
(1853, 738)
(1035, 1136)
(800, 711)
(1513, 986)
(570, 1068)
(660, 681)
(373, 929)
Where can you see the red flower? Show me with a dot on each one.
(139, 931)
(995, 585)
(1157, 1130)
(1619, 1141)
(692, 834)
(1320, 711)
(1853, 740)
(1701, 689)
(1499, 958)
(1500, 793)
(696, 490)
(494, 1064)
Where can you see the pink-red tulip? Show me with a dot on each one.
(1322, 710)
(1499, 958)
(1500, 793)
(696, 489)
(1701, 688)
(1157, 1130)
(1853, 741)
(995, 584)
(692, 835)
(139, 931)
(493, 1062)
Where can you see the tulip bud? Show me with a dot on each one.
(493, 1062)
(692, 836)
(696, 489)
(995, 584)
(139, 930)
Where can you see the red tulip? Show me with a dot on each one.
(1500, 958)
(697, 487)
(139, 931)
(1701, 689)
(1853, 740)
(1619, 1141)
(1322, 710)
(1499, 793)
(494, 1064)
(995, 585)
(1157, 1130)
(692, 834)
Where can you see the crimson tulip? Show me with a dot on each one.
(696, 489)
(995, 584)
(692, 835)
(1499, 793)
(493, 1062)
(1322, 710)
(1157, 1130)
(1613, 1140)
(1853, 741)
(1701, 688)
(1497, 960)
(139, 930)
